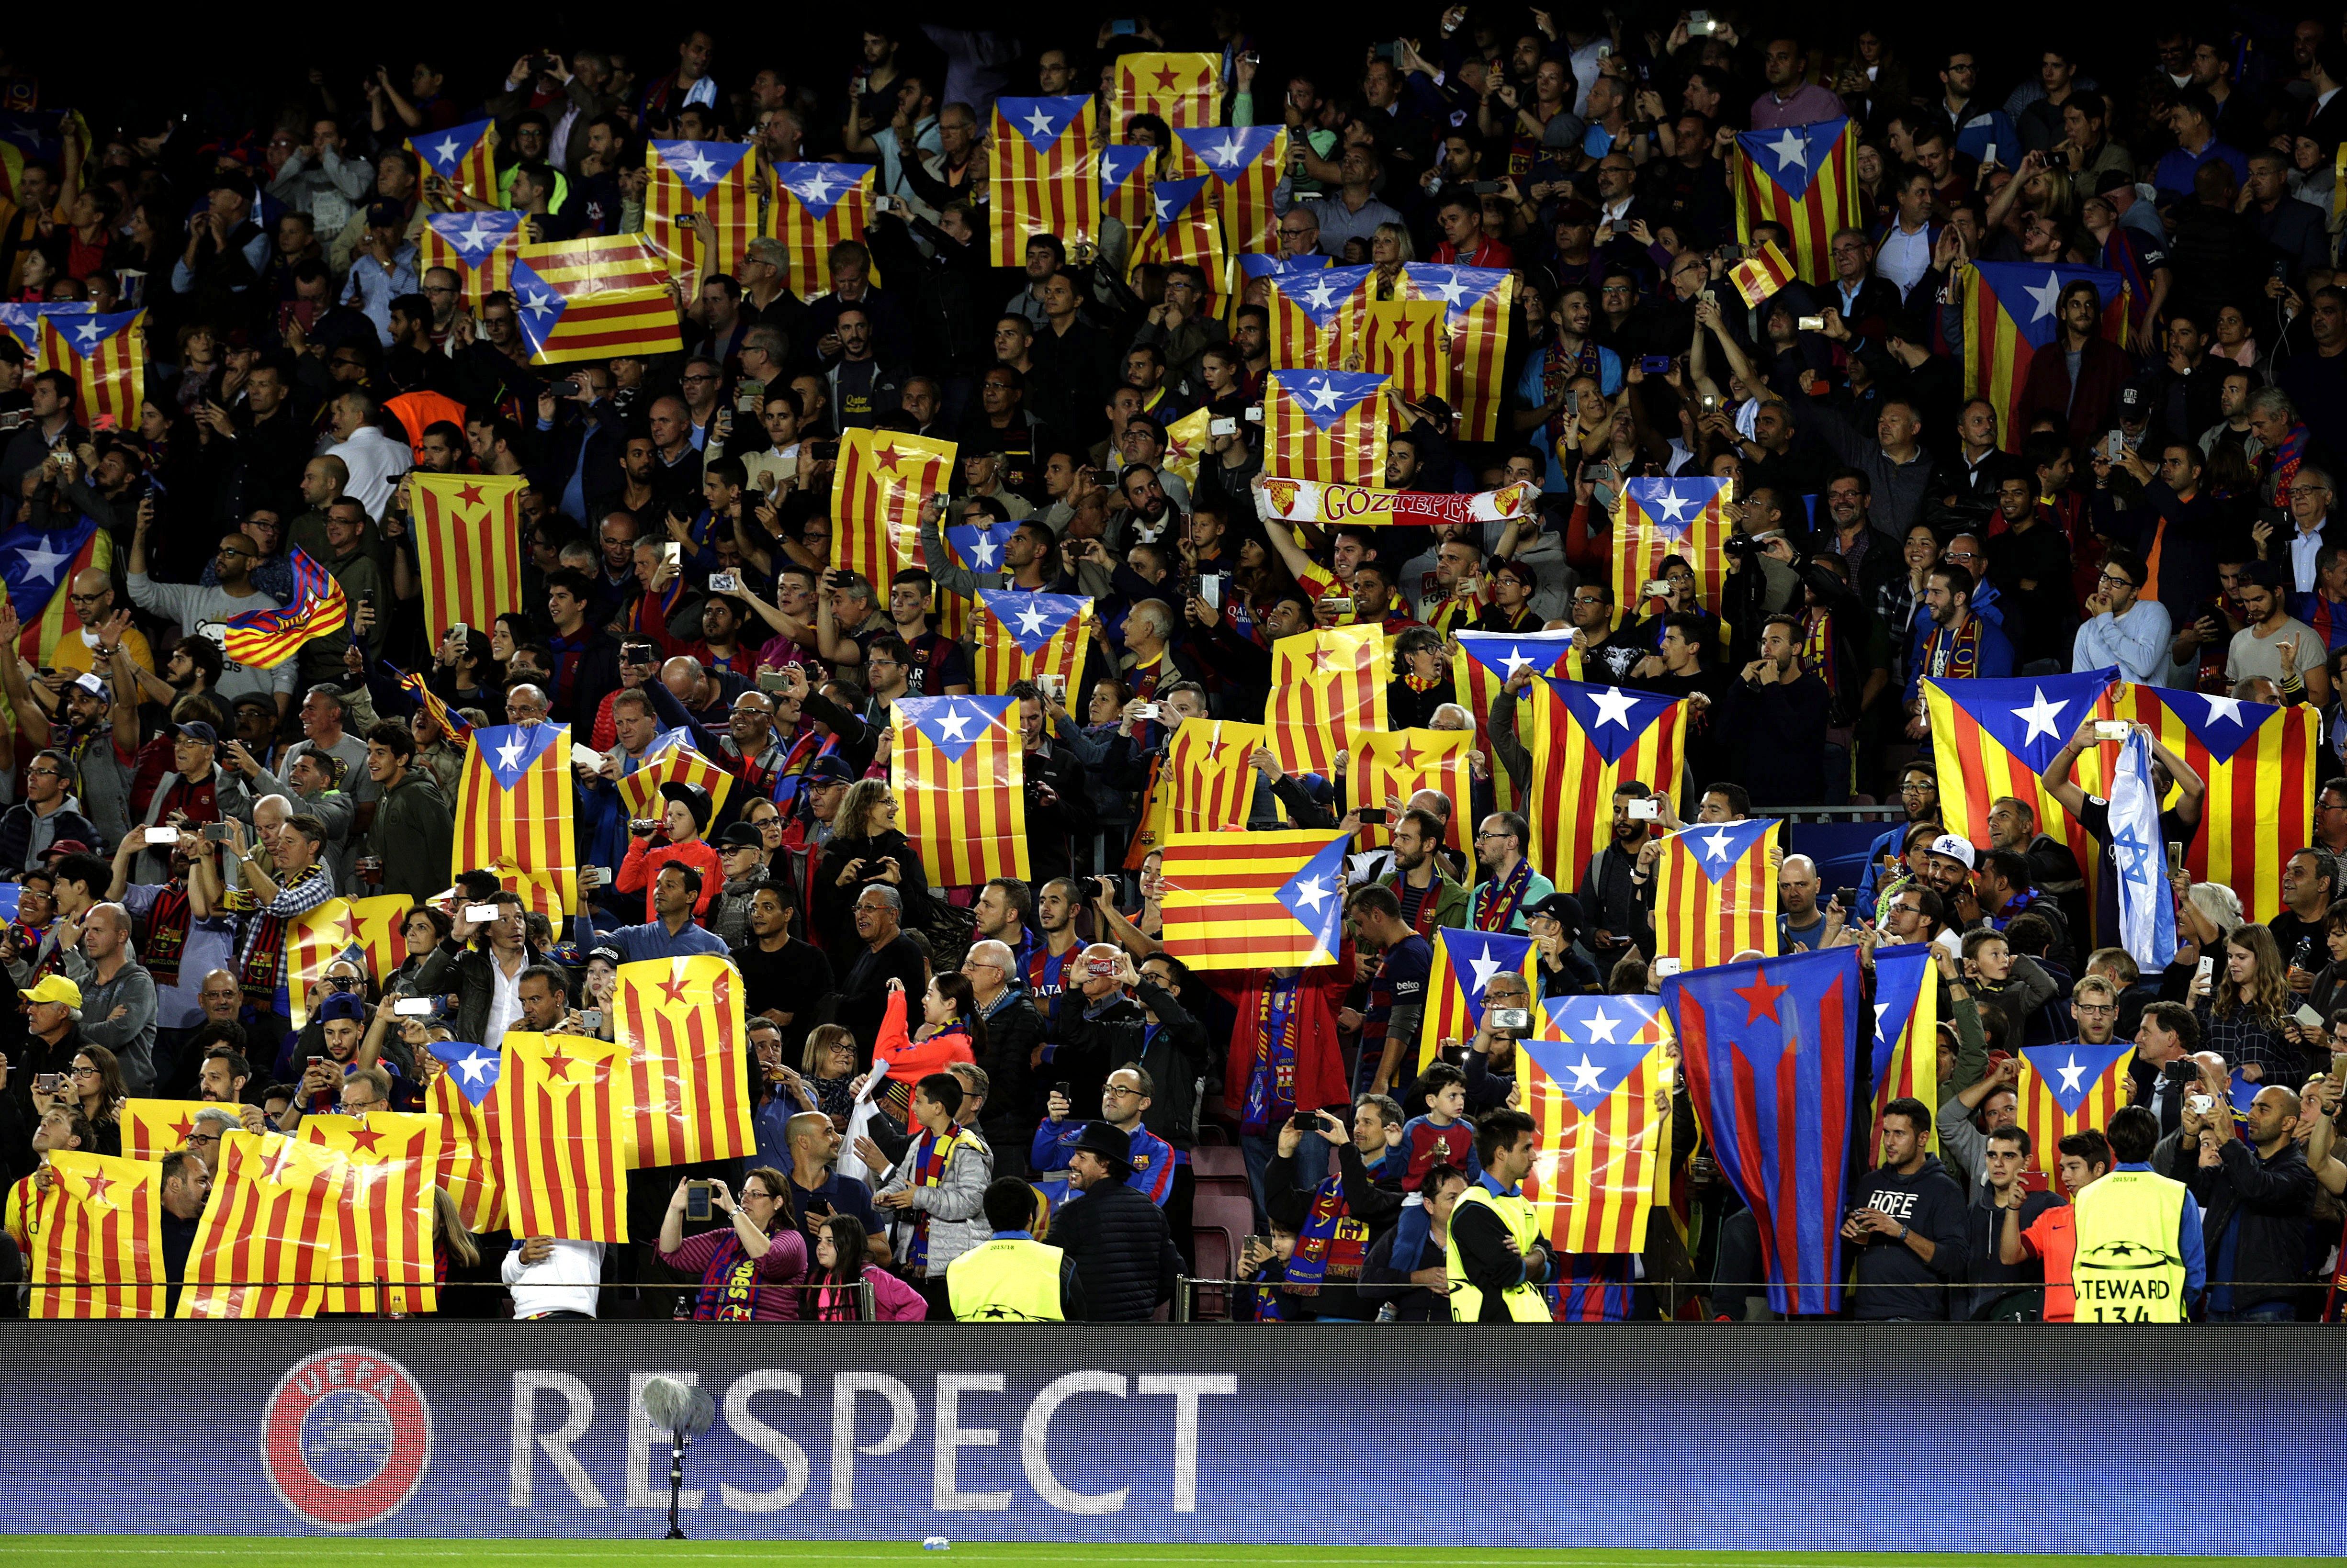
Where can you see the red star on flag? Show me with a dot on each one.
(1319, 660)
(1168, 78)
(182, 1127)
(557, 1064)
(365, 1139)
(1406, 760)
(98, 1184)
(672, 987)
(1760, 997)
(470, 494)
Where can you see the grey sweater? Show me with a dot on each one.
(131, 1037)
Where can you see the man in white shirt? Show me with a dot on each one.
(2123, 628)
(374, 460)
(2310, 509)
(551, 1279)
(1904, 254)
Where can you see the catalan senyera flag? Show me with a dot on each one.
(1480, 667)
(1905, 1044)
(1180, 89)
(465, 157)
(1255, 900)
(469, 540)
(1325, 424)
(1184, 225)
(876, 500)
(313, 940)
(592, 298)
(1406, 342)
(2010, 314)
(814, 207)
(386, 1200)
(673, 758)
(1465, 964)
(464, 1093)
(1805, 177)
(1317, 316)
(1770, 1052)
(1397, 766)
(271, 1231)
(1018, 636)
(376, 930)
(1327, 689)
(959, 771)
(1476, 301)
(716, 180)
(1589, 1074)
(1716, 892)
(478, 247)
(1658, 518)
(514, 814)
(689, 1061)
(1247, 163)
(106, 358)
(97, 1239)
(454, 726)
(1995, 737)
(1761, 274)
(2258, 762)
(1585, 739)
(2069, 1088)
(565, 1118)
(153, 1128)
(1044, 178)
(263, 639)
(1127, 174)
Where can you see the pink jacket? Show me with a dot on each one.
(893, 1300)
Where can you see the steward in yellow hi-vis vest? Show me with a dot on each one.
(1012, 1277)
(1495, 1256)
(2127, 1270)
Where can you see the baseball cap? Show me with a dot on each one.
(1562, 907)
(54, 988)
(825, 770)
(741, 836)
(1954, 847)
(611, 955)
(197, 730)
(343, 1004)
(63, 848)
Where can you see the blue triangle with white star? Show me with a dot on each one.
(1716, 847)
(1613, 719)
(700, 166)
(1505, 653)
(1671, 506)
(88, 334)
(2033, 717)
(981, 549)
(1173, 197)
(1585, 1071)
(954, 724)
(1900, 974)
(1040, 122)
(1326, 396)
(1032, 619)
(508, 750)
(1120, 163)
(1459, 289)
(1227, 151)
(473, 1068)
(1792, 156)
(2029, 294)
(473, 235)
(2070, 1071)
(2221, 724)
(446, 151)
(538, 305)
(1323, 295)
(818, 186)
(1478, 958)
(1315, 895)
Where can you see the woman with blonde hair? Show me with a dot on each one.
(865, 847)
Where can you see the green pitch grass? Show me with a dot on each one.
(91, 1551)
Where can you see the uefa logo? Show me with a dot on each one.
(346, 1438)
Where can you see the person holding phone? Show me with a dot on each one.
(746, 1265)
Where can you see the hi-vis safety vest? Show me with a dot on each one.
(1008, 1280)
(2127, 1268)
(1525, 1302)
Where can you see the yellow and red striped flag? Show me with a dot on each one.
(469, 539)
(2008, 323)
(1325, 424)
(2071, 1087)
(1044, 179)
(1183, 226)
(1805, 177)
(1465, 964)
(1906, 1042)
(960, 773)
(1247, 163)
(271, 1232)
(1180, 89)
(153, 1128)
(25, 320)
(97, 1239)
(480, 248)
(593, 299)
(263, 639)
(688, 1063)
(715, 180)
(1995, 737)
(1397, 766)
(1716, 893)
(1761, 274)
(1406, 342)
(387, 1209)
(815, 206)
(313, 940)
(452, 724)
(462, 156)
(106, 358)
(673, 760)
(464, 1095)
(876, 500)
(1186, 443)
(1205, 783)
(1585, 739)
(1317, 316)
(1589, 1078)
(1476, 302)
(1482, 665)
(514, 814)
(2258, 762)
(1327, 689)
(1020, 636)
(1658, 518)
(375, 927)
(23, 1213)
(1255, 900)
(1127, 176)
(565, 1119)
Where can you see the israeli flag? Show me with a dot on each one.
(2146, 905)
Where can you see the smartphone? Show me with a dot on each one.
(1665, 967)
(217, 832)
(47, 1082)
(1252, 1242)
(774, 680)
(2035, 1181)
(1656, 589)
(481, 913)
(1210, 589)
(592, 1018)
(1051, 686)
(1223, 427)
(1847, 899)
(884, 204)
(2337, 1074)
(2175, 856)
(2199, 1105)
(1988, 155)
(162, 836)
(823, 451)
(1573, 403)
(1711, 402)
(1147, 710)
(1336, 603)
(725, 582)
(459, 630)
(2114, 445)
(1700, 25)
(564, 388)
(696, 1200)
(638, 653)
(1253, 415)
(1811, 323)
(2205, 967)
(1122, 28)
(1374, 816)
(673, 553)
(750, 396)
(1646, 809)
(1516, 1018)
(1657, 364)
(1304, 1121)
(412, 1007)
(2308, 1017)
(2110, 729)
(1063, 1090)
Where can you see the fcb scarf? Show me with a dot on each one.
(165, 939)
(2286, 457)
(732, 1296)
(1418, 905)
(1271, 1075)
(1955, 655)
(1558, 370)
(2338, 1280)
(1818, 647)
(1497, 901)
(1333, 1246)
(928, 1156)
(263, 956)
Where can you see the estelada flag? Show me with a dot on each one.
(386, 1200)
(480, 248)
(313, 939)
(1658, 518)
(1327, 688)
(1247, 163)
(271, 1232)
(1325, 424)
(1186, 443)
(1394, 767)
(97, 1237)
(1044, 179)
(566, 1116)
(1476, 302)
(153, 1128)
(960, 774)
(263, 639)
(1127, 173)
(2258, 762)
(106, 358)
(1589, 1075)
(688, 1061)
(1183, 226)
(1761, 274)
(876, 500)
(1716, 892)
(1465, 964)
(514, 814)
(2068, 1088)
(1770, 1052)
(974, 547)
(1905, 1050)
(1482, 665)
(1405, 341)
(1317, 316)
(465, 157)
(595, 298)
(1805, 177)
(1203, 784)
(713, 180)
(673, 758)
(469, 539)
(376, 925)
(1585, 739)
(814, 207)
(1020, 636)
(1255, 900)
(464, 1093)
(1992, 739)
(1180, 89)
(2010, 313)
(38, 566)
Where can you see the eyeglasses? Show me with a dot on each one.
(84, 1072)
(231, 550)
(696, 376)
(1916, 789)
(2098, 1008)
(1116, 1092)
(2121, 579)
(195, 1138)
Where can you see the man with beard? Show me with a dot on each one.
(195, 607)
(1001, 914)
(1426, 898)
(1953, 644)
(782, 978)
(1051, 967)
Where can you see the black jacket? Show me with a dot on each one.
(1120, 1037)
(2271, 1202)
(1891, 1280)
(1012, 1033)
(834, 906)
(470, 972)
(1123, 1250)
(1058, 809)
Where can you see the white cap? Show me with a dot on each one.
(1954, 847)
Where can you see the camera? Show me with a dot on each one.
(564, 388)
(1517, 1019)
(1304, 1121)
(774, 680)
